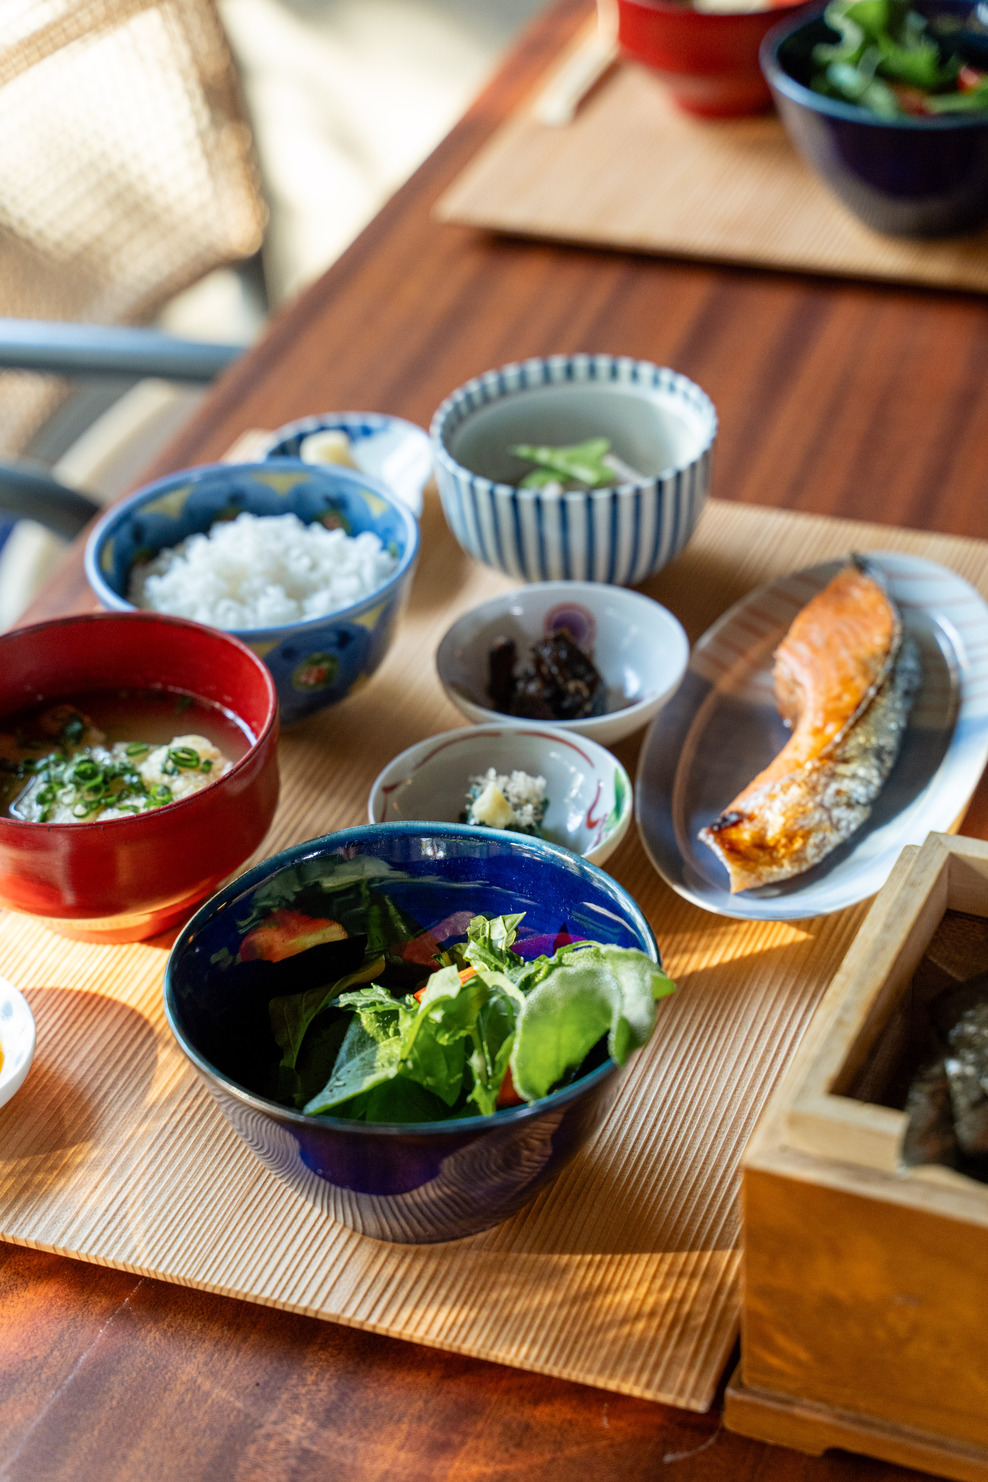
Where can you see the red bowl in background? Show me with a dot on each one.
(129, 878)
(708, 61)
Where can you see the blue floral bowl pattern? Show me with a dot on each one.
(413, 1182)
(315, 662)
(923, 177)
(659, 422)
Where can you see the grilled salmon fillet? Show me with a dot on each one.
(844, 681)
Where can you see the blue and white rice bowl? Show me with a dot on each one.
(315, 661)
(658, 421)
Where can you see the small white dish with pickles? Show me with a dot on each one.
(636, 645)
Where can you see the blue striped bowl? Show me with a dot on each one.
(658, 422)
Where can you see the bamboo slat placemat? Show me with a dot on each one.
(633, 171)
(623, 1274)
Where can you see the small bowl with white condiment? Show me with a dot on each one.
(637, 647)
(17, 1037)
(533, 780)
(395, 452)
(310, 566)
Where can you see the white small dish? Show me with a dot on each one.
(588, 790)
(637, 646)
(387, 448)
(17, 1037)
(723, 727)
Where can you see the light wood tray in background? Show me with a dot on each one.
(624, 1273)
(632, 171)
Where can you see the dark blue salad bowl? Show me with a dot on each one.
(909, 176)
(409, 1182)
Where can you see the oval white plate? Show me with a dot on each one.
(722, 727)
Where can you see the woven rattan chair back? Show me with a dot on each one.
(126, 170)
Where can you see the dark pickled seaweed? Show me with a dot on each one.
(501, 670)
(560, 681)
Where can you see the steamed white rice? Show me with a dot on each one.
(259, 571)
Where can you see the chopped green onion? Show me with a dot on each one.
(85, 780)
(183, 756)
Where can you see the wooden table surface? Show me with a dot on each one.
(833, 396)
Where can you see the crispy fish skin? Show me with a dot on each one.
(846, 680)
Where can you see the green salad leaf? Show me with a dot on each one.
(292, 1019)
(589, 993)
(490, 940)
(355, 1048)
(292, 1016)
(887, 60)
(422, 1041)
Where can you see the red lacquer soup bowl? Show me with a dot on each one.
(708, 60)
(125, 879)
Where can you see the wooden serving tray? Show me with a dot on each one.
(865, 1280)
(623, 1274)
(633, 171)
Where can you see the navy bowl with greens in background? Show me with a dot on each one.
(907, 176)
(409, 1182)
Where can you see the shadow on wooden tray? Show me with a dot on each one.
(49, 1126)
(645, 1203)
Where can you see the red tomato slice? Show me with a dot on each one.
(968, 78)
(508, 1096)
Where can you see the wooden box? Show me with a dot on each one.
(865, 1306)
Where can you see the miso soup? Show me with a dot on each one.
(107, 754)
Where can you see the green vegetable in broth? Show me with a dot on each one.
(586, 465)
